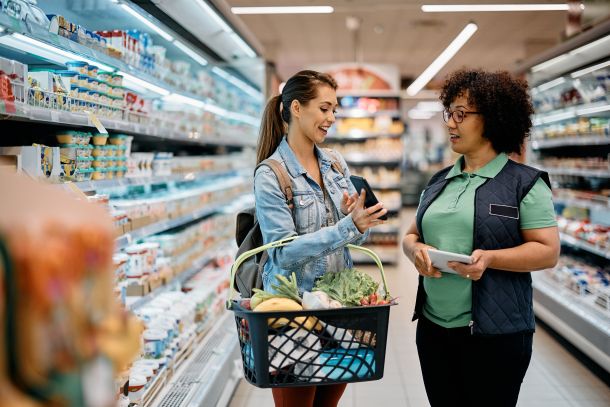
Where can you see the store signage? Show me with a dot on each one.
(353, 77)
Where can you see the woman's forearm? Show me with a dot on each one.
(529, 256)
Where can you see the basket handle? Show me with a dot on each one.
(283, 242)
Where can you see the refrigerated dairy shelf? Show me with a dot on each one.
(581, 244)
(571, 141)
(558, 115)
(573, 317)
(64, 45)
(576, 172)
(158, 128)
(87, 186)
(207, 373)
(133, 303)
(584, 203)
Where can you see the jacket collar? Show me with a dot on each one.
(293, 165)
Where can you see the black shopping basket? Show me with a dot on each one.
(315, 347)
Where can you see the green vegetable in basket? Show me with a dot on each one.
(347, 286)
(287, 288)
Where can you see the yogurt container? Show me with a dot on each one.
(137, 384)
(154, 343)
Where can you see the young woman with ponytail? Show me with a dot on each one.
(327, 214)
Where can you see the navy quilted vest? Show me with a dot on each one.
(501, 300)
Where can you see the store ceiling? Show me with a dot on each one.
(398, 32)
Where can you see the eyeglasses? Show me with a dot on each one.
(458, 115)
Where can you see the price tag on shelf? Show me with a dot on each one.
(96, 122)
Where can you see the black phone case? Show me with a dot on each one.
(370, 200)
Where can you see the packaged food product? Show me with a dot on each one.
(137, 383)
(84, 163)
(82, 175)
(78, 66)
(99, 151)
(73, 151)
(98, 174)
(117, 139)
(100, 162)
(105, 76)
(99, 139)
(154, 343)
(111, 150)
(68, 137)
(92, 69)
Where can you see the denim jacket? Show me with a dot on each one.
(306, 256)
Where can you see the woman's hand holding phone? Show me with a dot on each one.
(365, 218)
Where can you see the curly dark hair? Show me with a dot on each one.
(503, 101)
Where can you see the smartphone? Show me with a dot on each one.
(361, 183)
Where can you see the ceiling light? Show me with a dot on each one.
(129, 81)
(43, 50)
(283, 10)
(147, 22)
(240, 84)
(210, 12)
(442, 59)
(590, 69)
(191, 53)
(243, 45)
(457, 8)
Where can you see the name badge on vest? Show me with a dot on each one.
(504, 210)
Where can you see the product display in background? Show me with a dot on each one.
(57, 278)
(570, 140)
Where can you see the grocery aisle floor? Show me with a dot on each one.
(555, 378)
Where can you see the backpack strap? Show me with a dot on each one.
(282, 177)
(335, 161)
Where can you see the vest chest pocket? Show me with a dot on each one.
(304, 213)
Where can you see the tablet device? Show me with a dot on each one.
(440, 258)
(360, 183)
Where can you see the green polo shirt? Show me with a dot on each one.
(448, 225)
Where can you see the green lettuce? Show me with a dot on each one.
(348, 286)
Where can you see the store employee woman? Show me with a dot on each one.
(475, 328)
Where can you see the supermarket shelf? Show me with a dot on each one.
(386, 186)
(179, 280)
(39, 33)
(208, 373)
(581, 244)
(571, 141)
(568, 113)
(358, 135)
(63, 117)
(126, 182)
(575, 318)
(385, 229)
(358, 113)
(128, 238)
(366, 159)
(584, 203)
(576, 172)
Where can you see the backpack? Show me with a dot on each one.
(248, 232)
